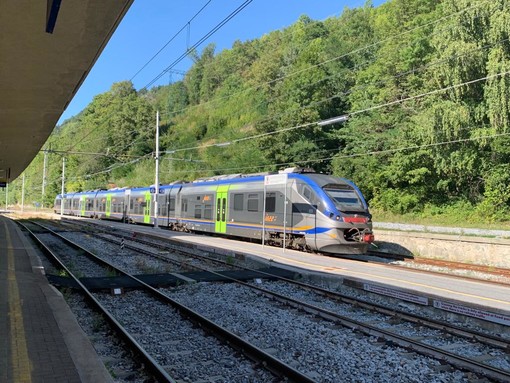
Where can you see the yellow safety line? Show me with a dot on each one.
(386, 278)
(20, 361)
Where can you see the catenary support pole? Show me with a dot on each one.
(156, 183)
(45, 165)
(62, 200)
(23, 194)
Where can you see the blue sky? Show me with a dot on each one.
(150, 24)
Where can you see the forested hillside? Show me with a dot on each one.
(424, 85)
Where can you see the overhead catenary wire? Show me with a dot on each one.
(423, 67)
(315, 123)
(297, 127)
(354, 113)
(346, 156)
(185, 26)
(358, 50)
(188, 50)
(304, 69)
(199, 42)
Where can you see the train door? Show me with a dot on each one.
(127, 205)
(168, 207)
(221, 209)
(83, 205)
(147, 208)
(108, 209)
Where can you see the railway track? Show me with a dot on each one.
(196, 337)
(487, 273)
(384, 324)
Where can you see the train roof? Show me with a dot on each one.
(295, 172)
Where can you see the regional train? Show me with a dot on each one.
(295, 208)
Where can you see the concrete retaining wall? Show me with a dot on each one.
(478, 250)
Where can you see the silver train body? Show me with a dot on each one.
(307, 211)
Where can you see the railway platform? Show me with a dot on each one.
(40, 340)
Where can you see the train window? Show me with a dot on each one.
(172, 204)
(198, 211)
(270, 202)
(303, 208)
(238, 202)
(208, 211)
(198, 198)
(253, 202)
(184, 205)
(307, 193)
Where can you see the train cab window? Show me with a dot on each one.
(270, 202)
(344, 197)
(253, 202)
(238, 202)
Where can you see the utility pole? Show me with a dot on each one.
(63, 184)
(6, 194)
(44, 175)
(23, 194)
(156, 191)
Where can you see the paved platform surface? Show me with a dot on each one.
(40, 341)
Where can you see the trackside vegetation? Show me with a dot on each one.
(425, 85)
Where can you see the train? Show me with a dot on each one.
(296, 208)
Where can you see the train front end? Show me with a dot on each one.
(344, 223)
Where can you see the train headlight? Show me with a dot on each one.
(338, 218)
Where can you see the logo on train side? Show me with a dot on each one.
(270, 218)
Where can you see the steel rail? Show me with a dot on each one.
(417, 346)
(437, 353)
(274, 365)
(429, 322)
(150, 364)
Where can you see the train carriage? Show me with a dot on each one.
(111, 204)
(295, 208)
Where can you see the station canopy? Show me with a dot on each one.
(47, 49)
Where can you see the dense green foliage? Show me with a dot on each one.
(424, 83)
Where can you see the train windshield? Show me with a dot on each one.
(344, 197)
